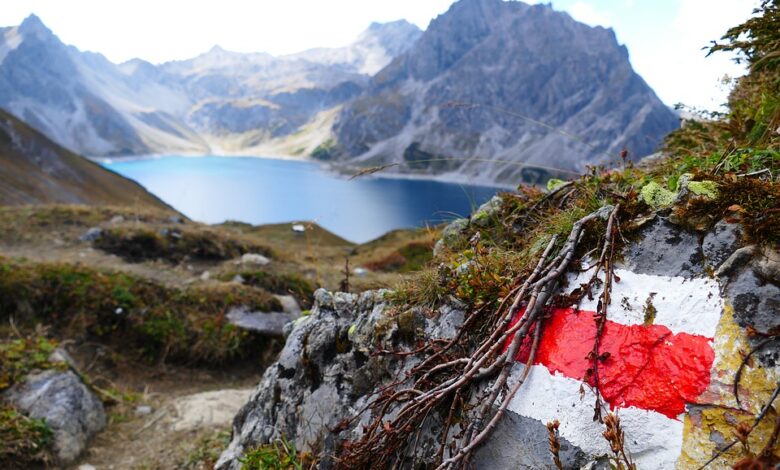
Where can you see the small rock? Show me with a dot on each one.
(767, 265)
(86, 466)
(143, 410)
(92, 234)
(736, 260)
(117, 219)
(205, 276)
(360, 272)
(175, 219)
(487, 211)
(289, 305)
(60, 355)
(266, 323)
(208, 409)
(239, 279)
(71, 410)
(254, 258)
(298, 228)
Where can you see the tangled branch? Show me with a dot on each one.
(451, 380)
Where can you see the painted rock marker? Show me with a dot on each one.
(657, 364)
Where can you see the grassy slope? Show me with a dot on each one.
(35, 170)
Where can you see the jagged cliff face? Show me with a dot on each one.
(220, 100)
(529, 60)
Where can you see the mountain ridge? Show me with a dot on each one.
(463, 91)
(36, 170)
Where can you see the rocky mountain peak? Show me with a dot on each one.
(515, 65)
(32, 25)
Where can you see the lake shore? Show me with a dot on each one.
(338, 170)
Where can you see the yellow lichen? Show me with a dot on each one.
(706, 425)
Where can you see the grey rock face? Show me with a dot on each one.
(478, 78)
(721, 242)
(329, 368)
(71, 410)
(666, 249)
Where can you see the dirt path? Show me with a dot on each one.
(172, 418)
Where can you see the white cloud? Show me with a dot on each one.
(677, 67)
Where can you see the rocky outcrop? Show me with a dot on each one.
(69, 408)
(506, 81)
(676, 410)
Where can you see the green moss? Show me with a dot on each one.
(657, 196)
(554, 183)
(279, 455)
(19, 357)
(207, 451)
(704, 188)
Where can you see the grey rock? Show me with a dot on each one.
(756, 302)
(767, 265)
(254, 258)
(70, 409)
(91, 234)
(289, 305)
(266, 323)
(665, 249)
(117, 219)
(60, 355)
(450, 234)
(720, 242)
(487, 211)
(737, 259)
(143, 410)
(328, 369)
(502, 452)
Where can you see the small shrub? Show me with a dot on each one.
(279, 455)
(174, 245)
(24, 441)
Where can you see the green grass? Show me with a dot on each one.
(279, 455)
(145, 317)
(24, 441)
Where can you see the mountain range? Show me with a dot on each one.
(493, 91)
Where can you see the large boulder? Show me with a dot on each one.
(69, 408)
(677, 334)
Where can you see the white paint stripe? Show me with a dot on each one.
(653, 440)
(683, 305)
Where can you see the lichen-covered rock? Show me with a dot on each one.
(487, 211)
(676, 334)
(450, 234)
(69, 408)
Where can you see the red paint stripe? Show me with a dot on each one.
(648, 367)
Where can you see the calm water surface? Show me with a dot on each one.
(263, 191)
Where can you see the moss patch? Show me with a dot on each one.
(174, 244)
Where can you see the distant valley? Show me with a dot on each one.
(491, 92)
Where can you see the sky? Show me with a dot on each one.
(664, 37)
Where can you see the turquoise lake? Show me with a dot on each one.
(264, 191)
